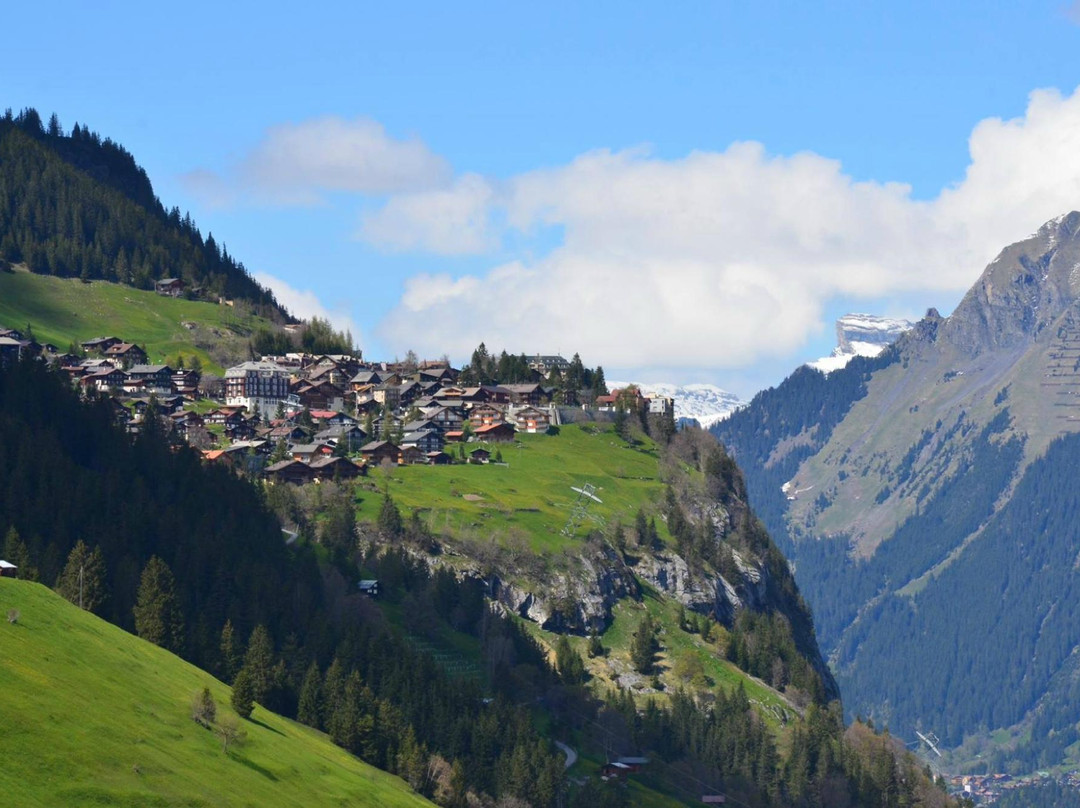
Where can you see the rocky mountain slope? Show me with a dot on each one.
(911, 486)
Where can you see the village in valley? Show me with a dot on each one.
(300, 417)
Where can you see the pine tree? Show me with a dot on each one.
(599, 384)
(17, 553)
(643, 646)
(568, 662)
(596, 648)
(333, 691)
(157, 610)
(343, 723)
(230, 652)
(243, 694)
(83, 580)
(203, 708)
(390, 523)
(259, 663)
(311, 706)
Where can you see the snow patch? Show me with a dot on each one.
(860, 335)
(705, 403)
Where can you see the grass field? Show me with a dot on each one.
(531, 495)
(95, 716)
(65, 310)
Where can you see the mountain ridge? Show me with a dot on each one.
(908, 487)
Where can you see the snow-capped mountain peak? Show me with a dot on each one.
(861, 335)
(704, 403)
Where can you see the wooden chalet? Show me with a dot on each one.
(379, 450)
(290, 471)
(155, 376)
(447, 419)
(100, 344)
(336, 468)
(480, 456)
(485, 415)
(527, 394)
(308, 452)
(127, 352)
(427, 440)
(169, 287)
(411, 456)
(496, 433)
(439, 459)
(532, 420)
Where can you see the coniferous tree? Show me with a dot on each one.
(333, 691)
(259, 663)
(83, 580)
(243, 694)
(311, 703)
(643, 646)
(599, 384)
(568, 662)
(231, 659)
(157, 610)
(390, 522)
(17, 553)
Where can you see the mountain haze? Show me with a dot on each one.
(926, 497)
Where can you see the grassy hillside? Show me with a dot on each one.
(95, 716)
(524, 504)
(531, 495)
(65, 310)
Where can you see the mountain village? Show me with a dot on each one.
(301, 418)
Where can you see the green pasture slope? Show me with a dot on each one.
(65, 310)
(93, 715)
(530, 496)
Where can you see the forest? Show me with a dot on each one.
(191, 557)
(76, 205)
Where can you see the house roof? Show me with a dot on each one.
(135, 369)
(323, 462)
(483, 430)
(416, 437)
(7, 565)
(244, 367)
(375, 445)
(284, 464)
(308, 448)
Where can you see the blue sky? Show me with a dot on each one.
(644, 185)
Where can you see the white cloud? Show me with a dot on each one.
(304, 303)
(721, 260)
(449, 221)
(296, 164)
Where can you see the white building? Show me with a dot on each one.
(259, 386)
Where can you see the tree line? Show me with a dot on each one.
(75, 205)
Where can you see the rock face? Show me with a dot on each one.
(1022, 293)
(900, 481)
(581, 601)
(861, 335)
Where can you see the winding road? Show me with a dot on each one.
(571, 755)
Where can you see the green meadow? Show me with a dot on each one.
(66, 310)
(530, 496)
(93, 715)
